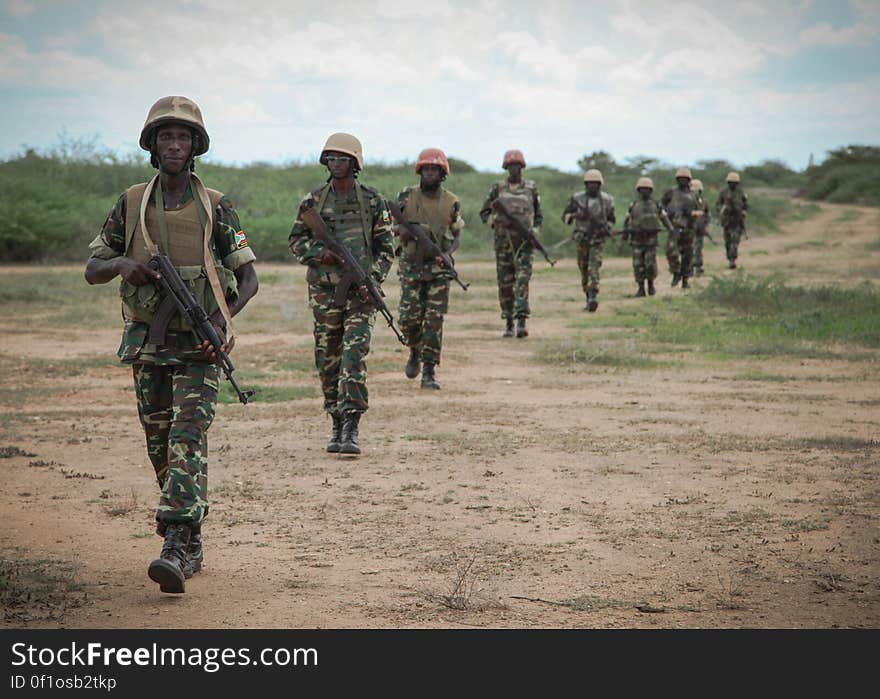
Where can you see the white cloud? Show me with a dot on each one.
(824, 34)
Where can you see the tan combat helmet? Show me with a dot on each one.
(683, 172)
(175, 109)
(344, 143)
(732, 177)
(696, 186)
(645, 182)
(593, 176)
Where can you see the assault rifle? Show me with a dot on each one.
(352, 274)
(426, 246)
(527, 233)
(601, 225)
(178, 297)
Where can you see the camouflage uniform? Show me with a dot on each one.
(176, 389)
(732, 206)
(513, 255)
(358, 220)
(680, 205)
(644, 218)
(701, 228)
(590, 233)
(424, 292)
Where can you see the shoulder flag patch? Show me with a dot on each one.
(240, 240)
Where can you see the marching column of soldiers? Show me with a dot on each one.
(178, 332)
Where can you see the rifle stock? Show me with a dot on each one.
(426, 245)
(353, 273)
(176, 289)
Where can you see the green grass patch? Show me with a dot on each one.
(585, 351)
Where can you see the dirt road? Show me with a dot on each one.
(686, 492)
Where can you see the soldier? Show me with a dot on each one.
(643, 221)
(732, 206)
(357, 218)
(592, 211)
(513, 255)
(703, 216)
(175, 380)
(424, 297)
(681, 206)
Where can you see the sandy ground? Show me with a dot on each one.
(522, 494)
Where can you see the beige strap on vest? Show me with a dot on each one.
(206, 214)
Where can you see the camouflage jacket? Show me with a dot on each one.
(229, 245)
(732, 205)
(374, 248)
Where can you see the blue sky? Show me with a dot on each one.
(682, 81)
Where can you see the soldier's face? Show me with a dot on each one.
(644, 192)
(174, 145)
(683, 182)
(430, 175)
(514, 170)
(339, 164)
(593, 188)
(733, 185)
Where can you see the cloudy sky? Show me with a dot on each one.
(678, 80)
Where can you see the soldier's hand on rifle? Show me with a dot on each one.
(328, 257)
(440, 261)
(207, 349)
(133, 272)
(364, 294)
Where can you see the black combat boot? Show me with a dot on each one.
(350, 434)
(335, 434)
(428, 378)
(640, 291)
(508, 328)
(651, 289)
(521, 328)
(412, 364)
(676, 278)
(731, 264)
(684, 283)
(592, 301)
(194, 553)
(167, 570)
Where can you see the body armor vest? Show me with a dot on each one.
(519, 199)
(348, 221)
(682, 204)
(432, 212)
(590, 228)
(186, 250)
(733, 204)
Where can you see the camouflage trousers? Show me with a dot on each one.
(423, 303)
(176, 406)
(680, 253)
(698, 252)
(342, 343)
(513, 264)
(732, 236)
(589, 259)
(644, 262)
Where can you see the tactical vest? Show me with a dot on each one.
(348, 220)
(433, 212)
(519, 199)
(590, 228)
(733, 204)
(186, 250)
(681, 206)
(644, 215)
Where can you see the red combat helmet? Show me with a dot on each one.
(513, 156)
(432, 156)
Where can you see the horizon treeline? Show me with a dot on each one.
(56, 201)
